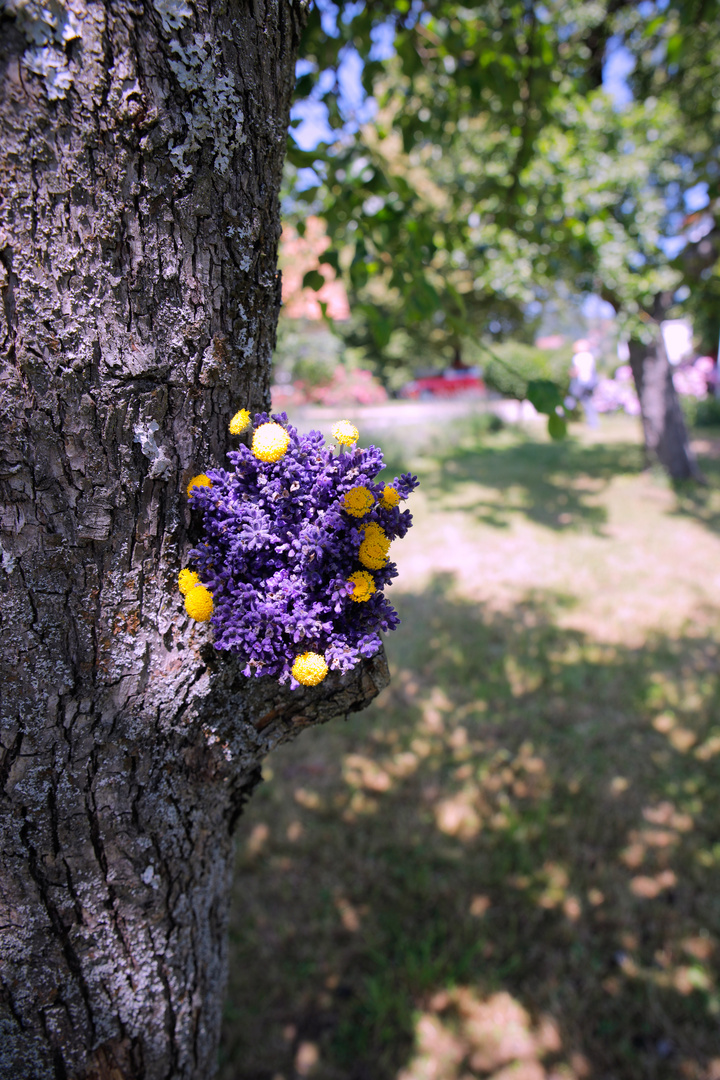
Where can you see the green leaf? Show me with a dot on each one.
(302, 159)
(545, 395)
(313, 280)
(330, 258)
(654, 25)
(411, 63)
(304, 85)
(381, 329)
(674, 48)
(557, 427)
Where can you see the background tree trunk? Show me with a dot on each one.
(143, 149)
(666, 438)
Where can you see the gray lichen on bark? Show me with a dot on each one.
(47, 27)
(140, 299)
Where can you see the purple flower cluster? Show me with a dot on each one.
(278, 547)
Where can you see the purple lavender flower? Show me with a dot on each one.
(280, 541)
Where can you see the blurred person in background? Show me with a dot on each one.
(583, 380)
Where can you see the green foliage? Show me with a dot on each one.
(497, 166)
(313, 280)
(305, 352)
(416, 261)
(557, 427)
(498, 169)
(677, 54)
(544, 395)
(526, 372)
(704, 414)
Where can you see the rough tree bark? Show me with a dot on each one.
(666, 437)
(142, 155)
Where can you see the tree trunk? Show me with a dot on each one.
(143, 149)
(666, 438)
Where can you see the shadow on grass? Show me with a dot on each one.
(507, 868)
(697, 501)
(557, 485)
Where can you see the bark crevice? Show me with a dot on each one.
(60, 930)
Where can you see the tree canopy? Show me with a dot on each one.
(498, 165)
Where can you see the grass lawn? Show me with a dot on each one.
(508, 868)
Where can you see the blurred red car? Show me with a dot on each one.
(450, 383)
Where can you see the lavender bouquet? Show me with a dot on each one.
(293, 562)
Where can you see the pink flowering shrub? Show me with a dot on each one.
(692, 379)
(611, 395)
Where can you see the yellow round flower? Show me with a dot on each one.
(373, 531)
(358, 501)
(309, 668)
(364, 586)
(389, 498)
(187, 580)
(198, 481)
(199, 603)
(345, 433)
(372, 554)
(270, 442)
(239, 422)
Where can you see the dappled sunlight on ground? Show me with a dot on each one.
(462, 1034)
(508, 868)
(620, 580)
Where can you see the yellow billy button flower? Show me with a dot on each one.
(187, 580)
(198, 481)
(199, 603)
(372, 555)
(309, 668)
(270, 442)
(363, 586)
(358, 501)
(239, 422)
(374, 547)
(345, 433)
(389, 498)
(373, 531)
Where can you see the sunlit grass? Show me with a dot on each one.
(508, 868)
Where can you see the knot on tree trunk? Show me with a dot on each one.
(275, 713)
(338, 695)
